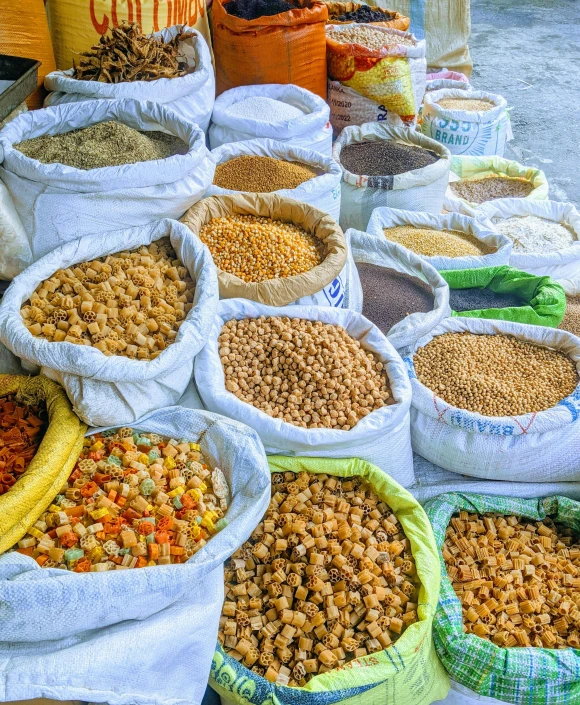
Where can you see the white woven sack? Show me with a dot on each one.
(15, 254)
(420, 189)
(313, 131)
(538, 447)
(349, 107)
(482, 132)
(391, 217)
(105, 390)
(191, 97)
(379, 251)
(322, 192)
(438, 84)
(133, 625)
(59, 203)
(382, 437)
(560, 264)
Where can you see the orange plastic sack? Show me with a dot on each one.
(285, 48)
(336, 9)
(24, 32)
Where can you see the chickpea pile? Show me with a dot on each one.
(130, 303)
(517, 579)
(327, 577)
(495, 375)
(255, 248)
(307, 373)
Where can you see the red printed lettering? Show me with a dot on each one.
(100, 27)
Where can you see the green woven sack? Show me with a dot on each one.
(408, 672)
(519, 675)
(546, 299)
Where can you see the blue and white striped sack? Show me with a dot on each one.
(536, 447)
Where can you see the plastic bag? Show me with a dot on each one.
(55, 458)
(420, 189)
(130, 624)
(481, 132)
(391, 217)
(381, 437)
(535, 447)
(368, 85)
(59, 203)
(323, 285)
(190, 97)
(522, 676)
(116, 389)
(559, 264)
(379, 251)
(480, 167)
(406, 673)
(313, 131)
(322, 192)
(288, 47)
(543, 301)
(15, 254)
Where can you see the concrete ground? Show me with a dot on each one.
(529, 52)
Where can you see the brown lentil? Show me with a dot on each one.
(516, 579)
(389, 296)
(306, 373)
(261, 174)
(104, 144)
(471, 105)
(571, 320)
(130, 303)
(368, 37)
(384, 158)
(490, 188)
(327, 577)
(429, 242)
(495, 375)
(256, 248)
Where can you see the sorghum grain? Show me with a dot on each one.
(429, 242)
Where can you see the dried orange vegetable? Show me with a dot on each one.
(21, 430)
(130, 55)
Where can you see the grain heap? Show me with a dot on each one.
(368, 37)
(261, 174)
(474, 299)
(307, 373)
(389, 296)
(22, 427)
(495, 375)
(265, 109)
(471, 105)
(129, 303)
(571, 320)
(364, 15)
(252, 9)
(532, 234)
(384, 158)
(104, 144)
(328, 576)
(133, 500)
(491, 187)
(257, 248)
(516, 579)
(130, 55)
(429, 242)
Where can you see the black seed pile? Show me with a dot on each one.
(252, 9)
(384, 158)
(474, 299)
(389, 296)
(365, 14)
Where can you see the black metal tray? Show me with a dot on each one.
(24, 73)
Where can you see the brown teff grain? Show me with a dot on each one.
(490, 188)
(327, 576)
(102, 145)
(389, 296)
(129, 55)
(516, 579)
(261, 174)
(306, 373)
(429, 242)
(571, 320)
(495, 375)
(472, 105)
